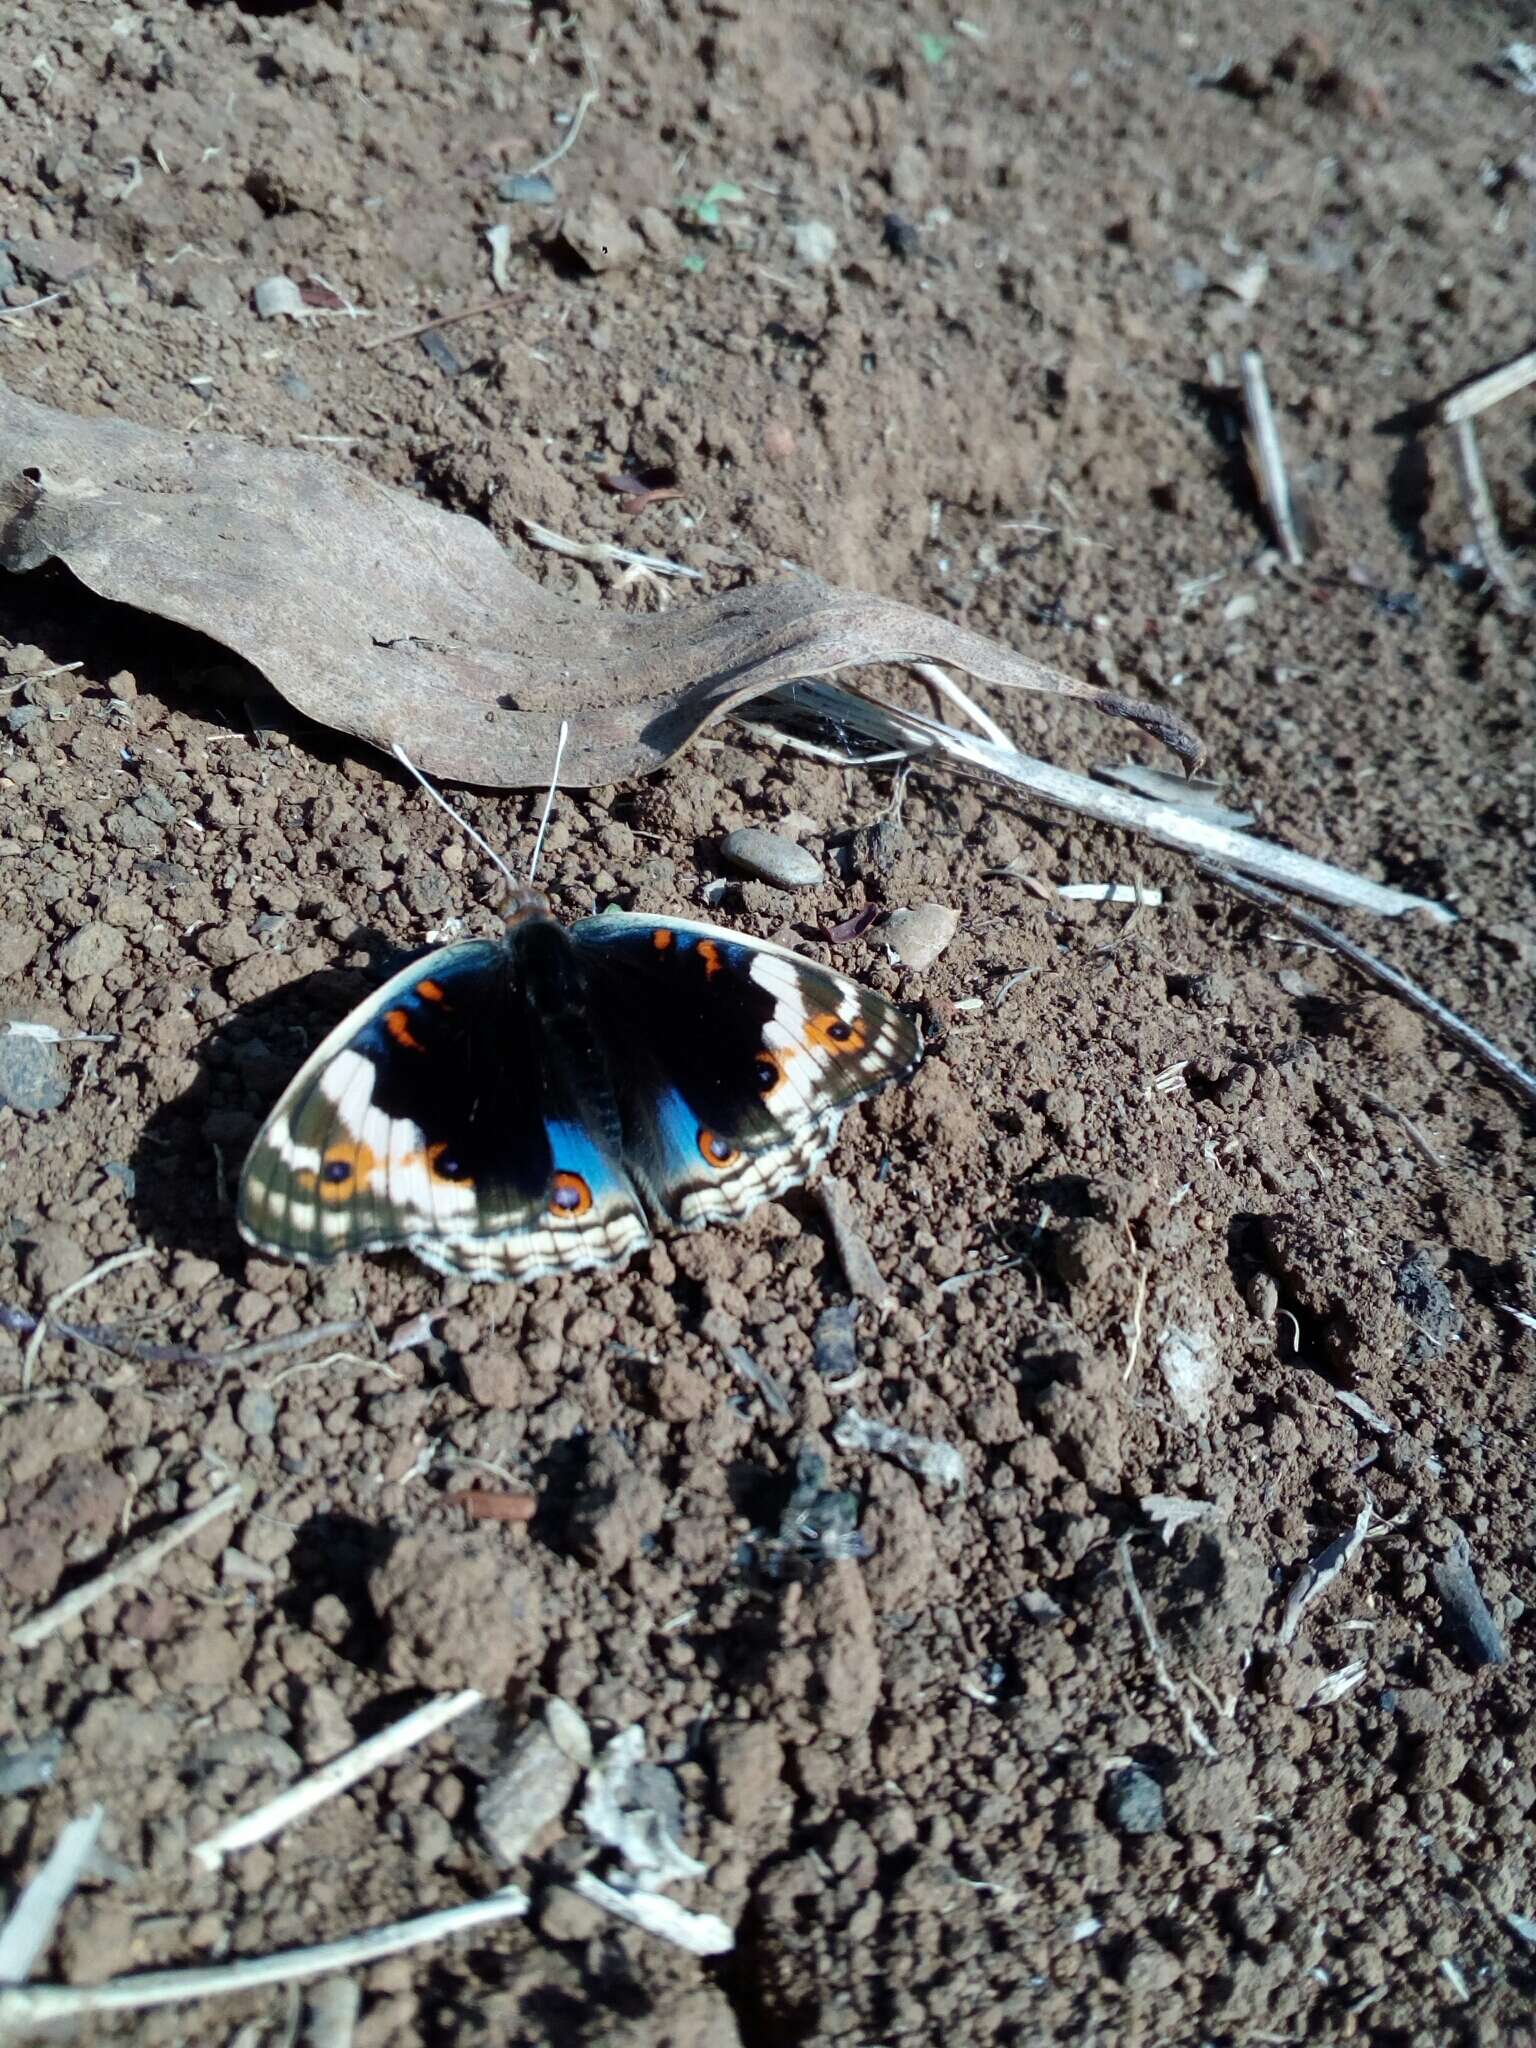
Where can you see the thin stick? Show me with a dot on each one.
(1485, 521)
(40, 1329)
(1133, 1343)
(571, 133)
(29, 1927)
(1489, 389)
(462, 822)
(24, 2003)
(1467, 1036)
(1197, 1736)
(857, 1260)
(296, 1800)
(1274, 485)
(137, 1566)
(36, 306)
(442, 320)
(549, 802)
(604, 551)
(279, 1347)
(941, 680)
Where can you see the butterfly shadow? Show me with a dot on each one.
(186, 1166)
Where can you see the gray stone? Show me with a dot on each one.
(815, 243)
(256, 1412)
(94, 949)
(917, 937)
(771, 859)
(520, 190)
(34, 1074)
(1135, 1801)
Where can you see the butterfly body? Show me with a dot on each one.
(534, 1103)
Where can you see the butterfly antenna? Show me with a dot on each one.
(458, 818)
(549, 801)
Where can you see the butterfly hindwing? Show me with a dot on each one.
(739, 1058)
(447, 1114)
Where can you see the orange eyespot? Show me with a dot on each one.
(398, 1025)
(717, 1151)
(345, 1167)
(709, 953)
(661, 940)
(836, 1034)
(429, 991)
(569, 1195)
(768, 1071)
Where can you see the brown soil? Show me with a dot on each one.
(917, 1780)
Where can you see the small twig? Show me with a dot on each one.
(431, 326)
(1467, 1036)
(859, 1269)
(137, 1566)
(294, 1801)
(1196, 1735)
(17, 312)
(1490, 388)
(23, 2003)
(554, 156)
(1269, 461)
(279, 1347)
(29, 1927)
(1478, 500)
(40, 1330)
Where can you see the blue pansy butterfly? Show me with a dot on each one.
(531, 1104)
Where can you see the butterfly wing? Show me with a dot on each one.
(739, 1058)
(448, 1116)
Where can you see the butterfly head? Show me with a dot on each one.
(523, 905)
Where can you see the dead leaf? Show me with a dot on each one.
(400, 623)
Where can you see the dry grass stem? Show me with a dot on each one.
(41, 2004)
(1467, 1036)
(571, 133)
(1195, 1735)
(1493, 386)
(605, 551)
(431, 326)
(40, 1329)
(1485, 521)
(858, 1262)
(855, 715)
(943, 682)
(296, 1800)
(128, 1572)
(29, 1926)
(1268, 458)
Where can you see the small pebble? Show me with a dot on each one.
(917, 937)
(834, 1341)
(815, 243)
(123, 686)
(523, 191)
(34, 1074)
(771, 859)
(256, 1412)
(1134, 1801)
(899, 236)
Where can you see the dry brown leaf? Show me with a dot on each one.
(400, 623)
